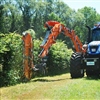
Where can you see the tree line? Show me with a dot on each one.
(20, 15)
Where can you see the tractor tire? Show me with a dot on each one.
(75, 66)
(91, 73)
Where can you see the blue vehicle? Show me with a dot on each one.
(90, 61)
(92, 58)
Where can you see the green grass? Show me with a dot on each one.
(60, 87)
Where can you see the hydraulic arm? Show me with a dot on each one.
(54, 28)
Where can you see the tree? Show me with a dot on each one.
(90, 15)
(98, 17)
(27, 9)
(64, 12)
(38, 19)
(90, 18)
(1, 18)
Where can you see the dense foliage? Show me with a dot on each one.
(20, 15)
(58, 58)
(11, 58)
(17, 16)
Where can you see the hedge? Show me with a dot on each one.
(11, 58)
(59, 57)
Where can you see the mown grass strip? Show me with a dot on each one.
(60, 87)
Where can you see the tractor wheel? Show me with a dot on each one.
(90, 73)
(75, 66)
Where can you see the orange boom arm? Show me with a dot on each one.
(52, 34)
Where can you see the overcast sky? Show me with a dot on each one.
(77, 4)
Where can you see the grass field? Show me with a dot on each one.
(60, 87)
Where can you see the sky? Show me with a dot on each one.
(78, 4)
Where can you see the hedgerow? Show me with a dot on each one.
(11, 58)
(59, 57)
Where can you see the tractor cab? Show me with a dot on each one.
(94, 45)
(96, 33)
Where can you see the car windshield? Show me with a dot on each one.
(96, 35)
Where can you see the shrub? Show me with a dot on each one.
(58, 60)
(58, 57)
(36, 50)
(11, 59)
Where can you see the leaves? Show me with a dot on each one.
(59, 56)
(19, 16)
(10, 58)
